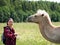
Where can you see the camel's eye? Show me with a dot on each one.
(35, 15)
(42, 14)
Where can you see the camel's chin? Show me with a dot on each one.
(31, 21)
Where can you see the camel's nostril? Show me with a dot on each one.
(28, 19)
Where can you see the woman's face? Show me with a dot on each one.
(10, 22)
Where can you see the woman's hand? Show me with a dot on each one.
(15, 34)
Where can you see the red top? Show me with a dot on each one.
(10, 37)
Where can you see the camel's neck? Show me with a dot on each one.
(46, 27)
(46, 22)
(49, 31)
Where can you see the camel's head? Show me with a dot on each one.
(37, 17)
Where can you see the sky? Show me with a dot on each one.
(58, 1)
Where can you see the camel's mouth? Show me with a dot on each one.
(29, 19)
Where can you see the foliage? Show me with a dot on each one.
(20, 10)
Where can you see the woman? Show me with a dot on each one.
(9, 33)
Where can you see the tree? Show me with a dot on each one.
(2, 3)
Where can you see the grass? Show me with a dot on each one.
(28, 34)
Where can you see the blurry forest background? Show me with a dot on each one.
(20, 10)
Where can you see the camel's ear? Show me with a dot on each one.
(42, 15)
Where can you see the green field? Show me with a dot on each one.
(28, 34)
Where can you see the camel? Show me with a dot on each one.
(49, 31)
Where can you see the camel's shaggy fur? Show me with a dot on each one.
(47, 29)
